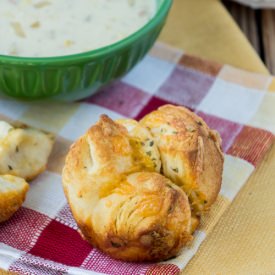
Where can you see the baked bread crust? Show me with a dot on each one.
(12, 194)
(121, 205)
(24, 152)
(190, 152)
(142, 140)
(137, 190)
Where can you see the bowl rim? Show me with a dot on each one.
(103, 51)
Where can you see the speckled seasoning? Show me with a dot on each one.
(37, 28)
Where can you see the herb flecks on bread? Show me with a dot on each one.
(137, 189)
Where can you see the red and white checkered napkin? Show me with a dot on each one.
(41, 238)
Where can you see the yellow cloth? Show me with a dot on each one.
(204, 28)
(243, 242)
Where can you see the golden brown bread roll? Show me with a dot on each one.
(12, 194)
(131, 215)
(190, 152)
(119, 199)
(24, 151)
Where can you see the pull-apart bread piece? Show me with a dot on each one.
(12, 194)
(119, 200)
(142, 143)
(190, 152)
(137, 189)
(24, 151)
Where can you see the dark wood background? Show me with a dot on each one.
(259, 27)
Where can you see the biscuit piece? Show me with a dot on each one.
(24, 152)
(121, 205)
(142, 139)
(190, 152)
(12, 194)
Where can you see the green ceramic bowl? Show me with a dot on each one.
(77, 76)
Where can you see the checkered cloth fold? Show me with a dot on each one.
(41, 238)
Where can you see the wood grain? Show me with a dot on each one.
(259, 28)
(268, 30)
(247, 19)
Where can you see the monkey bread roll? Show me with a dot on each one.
(190, 153)
(120, 201)
(12, 194)
(137, 189)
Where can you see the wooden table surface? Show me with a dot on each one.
(259, 28)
